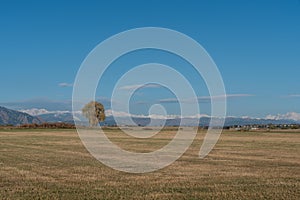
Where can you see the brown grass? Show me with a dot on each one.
(41, 164)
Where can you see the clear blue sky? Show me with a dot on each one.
(255, 44)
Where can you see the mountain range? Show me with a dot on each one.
(203, 121)
(156, 120)
(28, 116)
(12, 117)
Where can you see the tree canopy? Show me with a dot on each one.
(94, 112)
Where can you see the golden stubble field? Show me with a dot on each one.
(53, 164)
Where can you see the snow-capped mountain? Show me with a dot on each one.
(123, 118)
(8, 116)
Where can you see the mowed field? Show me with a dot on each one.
(53, 164)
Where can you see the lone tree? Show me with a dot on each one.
(94, 112)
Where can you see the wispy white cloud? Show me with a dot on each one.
(134, 87)
(65, 84)
(204, 98)
(225, 96)
(294, 95)
(142, 102)
(169, 100)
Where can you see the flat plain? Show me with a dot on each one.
(54, 164)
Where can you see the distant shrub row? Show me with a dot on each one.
(57, 125)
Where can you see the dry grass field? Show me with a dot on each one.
(53, 164)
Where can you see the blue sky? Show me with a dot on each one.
(255, 44)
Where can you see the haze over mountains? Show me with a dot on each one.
(155, 120)
(38, 111)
